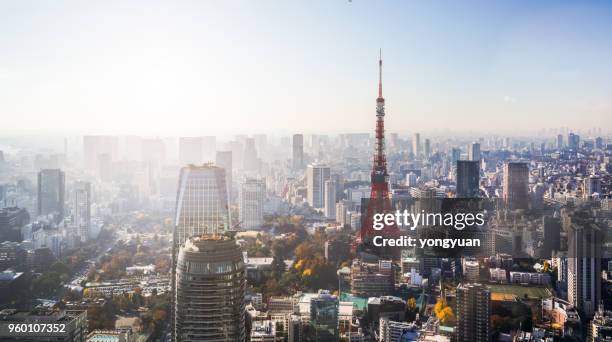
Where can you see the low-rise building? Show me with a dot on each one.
(498, 275)
(75, 324)
(530, 278)
(265, 331)
(391, 331)
(371, 280)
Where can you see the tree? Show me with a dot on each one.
(443, 311)
(60, 268)
(101, 317)
(411, 304)
(46, 284)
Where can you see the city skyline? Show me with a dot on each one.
(176, 69)
(224, 171)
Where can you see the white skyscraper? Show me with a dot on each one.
(330, 199)
(209, 147)
(251, 202)
(298, 151)
(82, 209)
(51, 187)
(316, 175)
(224, 160)
(341, 213)
(250, 162)
(416, 145)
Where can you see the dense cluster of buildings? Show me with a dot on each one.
(547, 201)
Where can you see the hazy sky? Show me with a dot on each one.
(218, 67)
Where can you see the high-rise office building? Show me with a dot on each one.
(552, 235)
(592, 185)
(209, 147)
(250, 203)
(468, 178)
(338, 179)
(474, 151)
(202, 207)
(599, 143)
(191, 150)
(95, 145)
(224, 160)
(427, 148)
(298, 151)
(416, 145)
(508, 143)
(210, 289)
(51, 187)
(516, 185)
(82, 209)
(560, 141)
(251, 162)
(342, 212)
(573, 141)
(455, 155)
(12, 220)
(316, 176)
(201, 203)
(584, 241)
(237, 149)
(261, 144)
(330, 199)
(473, 313)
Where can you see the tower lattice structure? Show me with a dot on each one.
(380, 201)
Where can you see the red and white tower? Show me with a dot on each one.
(379, 202)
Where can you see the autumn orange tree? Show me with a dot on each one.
(411, 304)
(443, 311)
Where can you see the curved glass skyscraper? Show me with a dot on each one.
(201, 203)
(202, 207)
(210, 289)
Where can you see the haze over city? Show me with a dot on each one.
(222, 68)
(314, 171)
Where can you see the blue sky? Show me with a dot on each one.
(220, 67)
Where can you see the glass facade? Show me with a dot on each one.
(324, 317)
(210, 290)
(202, 203)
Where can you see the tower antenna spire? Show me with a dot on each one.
(380, 74)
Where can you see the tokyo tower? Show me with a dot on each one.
(380, 202)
